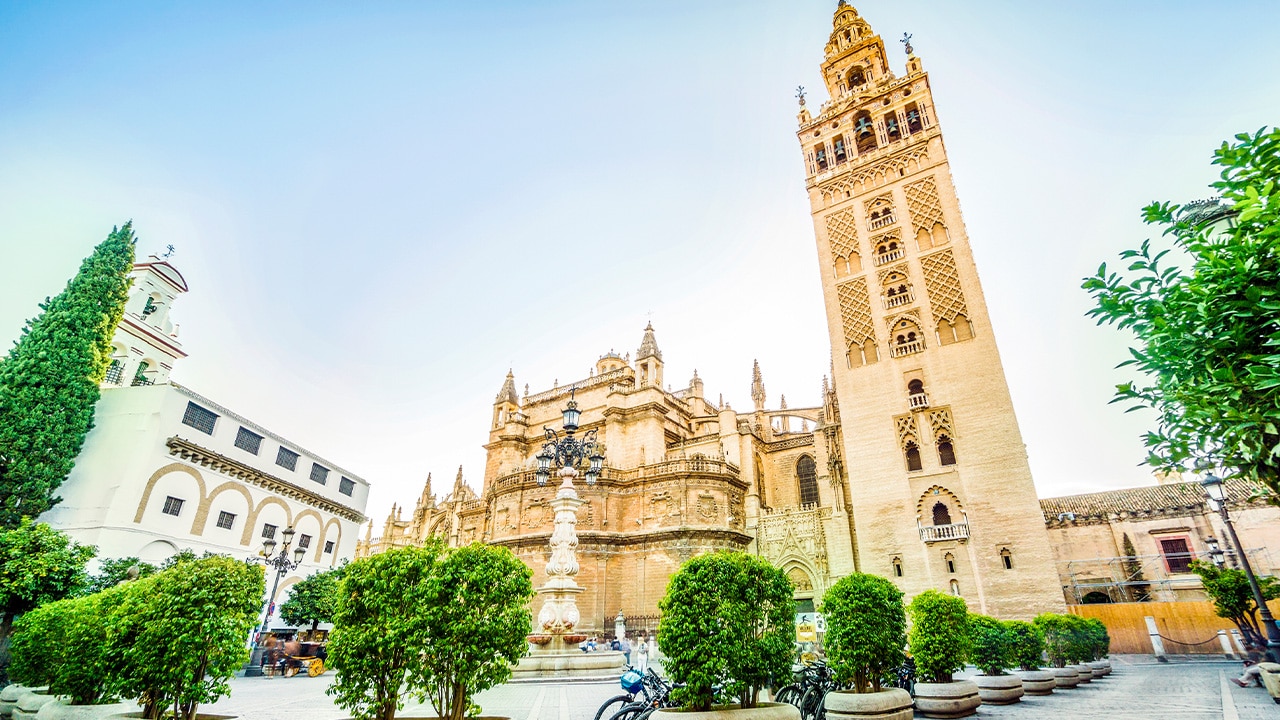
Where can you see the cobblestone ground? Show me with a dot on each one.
(1139, 688)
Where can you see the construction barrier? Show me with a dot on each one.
(1175, 628)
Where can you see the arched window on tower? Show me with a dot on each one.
(820, 156)
(951, 563)
(941, 514)
(837, 149)
(140, 377)
(955, 588)
(891, 126)
(807, 476)
(897, 567)
(857, 78)
(864, 132)
(1006, 558)
(946, 451)
(914, 122)
(913, 457)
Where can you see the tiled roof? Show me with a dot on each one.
(1154, 499)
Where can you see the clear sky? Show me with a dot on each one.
(380, 207)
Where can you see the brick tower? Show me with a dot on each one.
(940, 484)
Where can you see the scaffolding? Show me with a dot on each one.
(1138, 578)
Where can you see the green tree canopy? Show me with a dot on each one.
(866, 630)
(939, 637)
(1028, 644)
(113, 571)
(727, 618)
(993, 649)
(49, 380)
(313, 599)
(1232, 597)
(1204, 309)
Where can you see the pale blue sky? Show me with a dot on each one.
(380, 207)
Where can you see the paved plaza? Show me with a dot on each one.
(1139, 688)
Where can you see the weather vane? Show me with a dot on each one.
(906, 41)
(168, 251)
(800, 94)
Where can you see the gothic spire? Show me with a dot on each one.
(757, 386)
(649, 345)
(508, 392)
(457, 482)
(426, 492)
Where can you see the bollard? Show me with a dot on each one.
(1157, 644)
(1226, 644)
(1239, 640)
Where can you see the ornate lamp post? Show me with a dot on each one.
(1215, 552)
(559, 612)
(282, 564)
(1217, 494)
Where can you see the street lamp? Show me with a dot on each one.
(282, 564)
(1215, 551)
(569, 451)
(1216, 491)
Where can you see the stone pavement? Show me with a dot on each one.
(1138, 688)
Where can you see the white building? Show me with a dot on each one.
(165, 469)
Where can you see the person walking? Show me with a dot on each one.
(642, 655)
(624, 645)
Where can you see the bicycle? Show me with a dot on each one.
(657, 695)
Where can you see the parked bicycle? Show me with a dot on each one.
(655, 694)
(640, 688)
(809, 690)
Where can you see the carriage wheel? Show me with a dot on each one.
(291, 671)
(315, 668)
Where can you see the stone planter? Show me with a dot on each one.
(762, 711)
(888, 704)
(60, 710)
(29, 704)
(1065, 677)
(135, 714)
(999, 689)
(1037, 682)
(1085, 672)
(9, 698)
(1101, 668)
(947, 700)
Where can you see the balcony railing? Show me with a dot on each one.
(918, 401)
(938, 533)
(889, 256)
(907, 348)
(882, 221)
(115, 373)
(143, 381)
(893, 301)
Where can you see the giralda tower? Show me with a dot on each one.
(940, 484)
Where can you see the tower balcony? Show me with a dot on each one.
(895, 254)
(938, 533)
(882, 221)
(918, 401)
(907, 348)
(893, 301)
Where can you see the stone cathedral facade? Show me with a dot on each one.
(912, 468)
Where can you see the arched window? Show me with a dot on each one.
(941, 515)
(897, 567)
(837, 147)
(891, 126)
(857, 78)
(914, 122)
(140, 377)
(820, 155)
(955, 588)
(864, 133)
(1095, 598)
(951, 563)
(915, 387)
(807, 475)
(946, 452)
(913, 457)
(1006, 558)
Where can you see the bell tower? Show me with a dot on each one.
(941, 488)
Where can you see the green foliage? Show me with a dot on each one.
(1027, 642)
(34, 646)
(727, 618)
(1099, 638)
(177, 637)
(64, 645)
(1205, 312)
(1060, 642)
(113, 571)
(477, 624)
(38, 565)
(939, 635)
(49, 380)
(313, 600)
(866, 630)
(382, 630)
(1232, 597)
(992, 644)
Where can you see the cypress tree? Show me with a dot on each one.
(49, 380)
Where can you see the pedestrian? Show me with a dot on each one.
(642, 655)
(625, 646)
(591, 645)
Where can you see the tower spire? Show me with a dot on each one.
(649, 345)
(757, 386)
(508, 392)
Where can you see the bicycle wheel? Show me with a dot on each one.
(613, 705)
(789, 694)
(630, 711)
(810, 701)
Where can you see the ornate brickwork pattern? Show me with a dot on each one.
(923, 205)
(891, 235)
(942, 282)
(880, 173)
(842, 234)
(940, 422)
(855, 312)
(907, 434)
(887, 198)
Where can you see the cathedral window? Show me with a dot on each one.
(951, 563)
(760, 486)
(287, 458)
(199, 418)
(941, 514)
(346, 486)
(807, 476)
(897, 291)
(897, 567)
(1006, 558)
(891, 127)
(226, 520)
(913, 457)
(906, 338)
(248, 440)
(914, 121)
(864, 133)
(946, 451)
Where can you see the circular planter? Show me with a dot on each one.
(762, 711)
(999, 689)
(947, 700)
(1096, 669)
(9, 698)
(1104, 665)
(29, 704)
(1085, 672)
(1065, 677)
(888, 704)
(60, 710)
(1037, 682)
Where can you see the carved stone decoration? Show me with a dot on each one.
(907, 433)
(537, 513)
(708, 508)
(855, 311)
(800, 579)
(942, 283)
(842, 234)
(923, 205)
(940, 422)
(559, 611)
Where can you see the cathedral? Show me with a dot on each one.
(912, 468)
